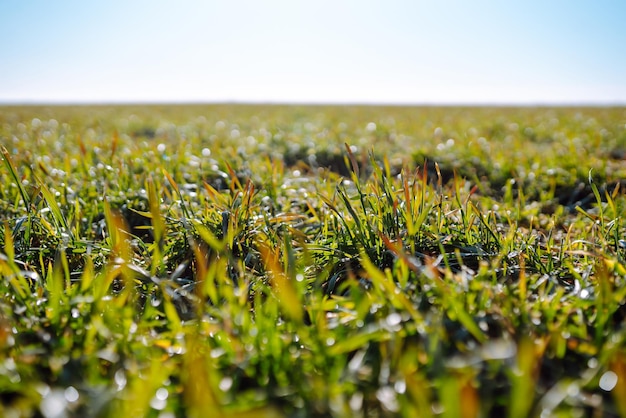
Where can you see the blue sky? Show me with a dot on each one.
(427, 52)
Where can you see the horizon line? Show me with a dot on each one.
(478, 103)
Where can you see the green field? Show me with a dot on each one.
(244, 261)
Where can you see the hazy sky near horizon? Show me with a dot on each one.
(426, 52)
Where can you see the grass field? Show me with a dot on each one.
(244, 261)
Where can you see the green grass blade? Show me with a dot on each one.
(51, 201)
(8, 163)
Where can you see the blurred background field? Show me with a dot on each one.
(544, 150)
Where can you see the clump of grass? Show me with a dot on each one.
(310, 261)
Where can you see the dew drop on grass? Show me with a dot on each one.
(400, 386)
(394, 319)
(120, 379)
(217, 352)
(437, 408)
(387, 396)
(294, 351)
(161, 394)
(71, 394)
(53, 404)
(158, 403)
(226, 383)
(573, 390)
(608, 381)
(356, 401)
(498, 350)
